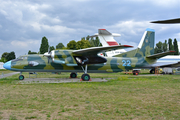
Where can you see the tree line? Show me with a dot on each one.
(7, 56)
(87, 42)
(167, 46)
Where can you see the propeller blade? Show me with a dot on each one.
(49, 50)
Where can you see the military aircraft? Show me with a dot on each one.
(107, 39)
(167, 61)
(87, 60)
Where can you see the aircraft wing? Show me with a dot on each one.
(169, 64)
(96, 50)
(170, 21)
(159, 55)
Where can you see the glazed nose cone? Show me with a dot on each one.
(7, 65)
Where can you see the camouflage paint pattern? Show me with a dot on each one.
(65, 60)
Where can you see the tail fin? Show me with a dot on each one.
(106, 38)
(145, 47)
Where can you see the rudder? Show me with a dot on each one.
(145, 47)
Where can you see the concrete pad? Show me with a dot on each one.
(58, 80)
(9, 74)
(150, 75)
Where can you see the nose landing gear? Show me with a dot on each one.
(21, 77)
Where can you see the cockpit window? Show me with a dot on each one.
(20, 57)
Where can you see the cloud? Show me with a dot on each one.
(166, 3)
(24, 23)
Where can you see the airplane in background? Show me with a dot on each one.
(87, 60)
(168, 61)
(107, 39)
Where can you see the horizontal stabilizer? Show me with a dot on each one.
(105, 32)
(159, 55)
(96, 50)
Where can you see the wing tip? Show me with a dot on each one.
(172, 51)
(127, 45)
(102, 29)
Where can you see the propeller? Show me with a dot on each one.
(48, 54)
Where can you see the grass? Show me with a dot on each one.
(122, 97)
(3, 71)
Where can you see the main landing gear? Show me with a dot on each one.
(73, 75)
(85, 76)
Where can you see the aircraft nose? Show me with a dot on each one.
(7, 65)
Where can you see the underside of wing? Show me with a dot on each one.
(159, 55)
(93, 51)
(166, 64)
(170, 21)
(174, 65)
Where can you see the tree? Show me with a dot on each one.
(165, 45)
(59, 46)
(95, 43)
(91, 41)
(4, 55)
(52, 48)
(29, 52)
(176, 47)
(3, 60)
(71, 45)
(170, 44)
(83, 44)
(44, 45)
(10, 56)
(7, 56)
(158, 48)
(87, 38)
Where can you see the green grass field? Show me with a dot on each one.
(122, 97)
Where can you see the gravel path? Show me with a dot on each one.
(58, 80)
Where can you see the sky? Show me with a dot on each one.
(23, 23)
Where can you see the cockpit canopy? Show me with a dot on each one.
(22, 57)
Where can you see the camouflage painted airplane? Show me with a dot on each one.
(87, 60)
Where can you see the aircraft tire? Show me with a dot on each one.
(73, 75)
(152, 71)
(21, 77)
(85, 77)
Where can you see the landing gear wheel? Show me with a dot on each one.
(85, 77)
(152, 71)
(73, 75)
(21, 77)
(135, 72)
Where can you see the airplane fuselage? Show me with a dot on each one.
(39, 63)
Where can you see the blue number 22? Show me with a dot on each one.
(126, 63)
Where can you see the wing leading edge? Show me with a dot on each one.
(96, 50)
(159, 55)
